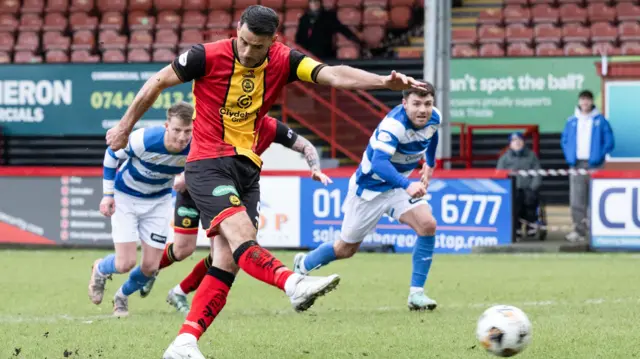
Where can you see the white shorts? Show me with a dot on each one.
(362, 216)
(144, 219)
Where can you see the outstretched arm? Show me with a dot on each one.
(302, 145)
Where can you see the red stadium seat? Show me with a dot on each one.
(139, 20)
(112, 20)
(274, 4)
(214, 35)
(83, 6)
(83, 56)
(163, 55)
(490, 34)
(373, 35)
(399, 17)
(83, 40)
(56, 57)
(516, 2)
(349, 3)
(328, 4)
(601, 12)
(514, 14)
(573, 13)
(348, 53)
(464, 35)
(535, 2)
(168, 20)
(463, 50)
(604, 48)
(243, 4)
(27, 41)
(292, 17)
(576, 49)
(8, 22)
(543, 13)
(342, 40)
(138, 55)
(174, 5)
(9, 6)
(5, 58)
(112, 5)
(630, 48)
(491, 50)
(55, 21)
(629, 31)
(349, 16)
(219, 19)
(575, 33)
(375, 16)
(196, 5)
(220, 5)
(140, 5)
(30, 22)
(561, 2)
(290, 34)
(57, 6)
(547, 33)
(193, 20)
(82, 21)
(32, 6)
(409, 3)
(376, 3)
(140, 39)
(54, 40)
(166, 39)
(490, 16)
(627, 11)
(110, 39)
(191, 37)
(603, 31)
(6, 41)
(519, 49)
(548, 49)
(113, 56)
(519, 33)
(26, 57)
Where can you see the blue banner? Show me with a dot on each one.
(469, 212)
(615, 214)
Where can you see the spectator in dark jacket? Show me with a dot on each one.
(317, 28)
(519, 157)
(586, 140)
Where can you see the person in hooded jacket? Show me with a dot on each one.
(526, 199)
(586, 141)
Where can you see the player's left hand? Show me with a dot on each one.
(398, 81)
(117, 138)
(179, 184)
(321, 177)
(424, 175)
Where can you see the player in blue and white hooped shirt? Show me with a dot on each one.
(381, 186)
(137, 197)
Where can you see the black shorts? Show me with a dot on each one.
(186, 216)
(222, 187)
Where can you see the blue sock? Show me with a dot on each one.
(422, 258)
(320, 256)
(108, 265)
(136, 280)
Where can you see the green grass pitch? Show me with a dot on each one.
(581, 306)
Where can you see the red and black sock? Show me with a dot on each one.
(168, 258)
(193, 280)
(261, 264)
(208, 302)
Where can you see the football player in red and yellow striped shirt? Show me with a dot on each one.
(235, 82)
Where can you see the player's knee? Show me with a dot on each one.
(224, 260)
(238, 229)
(149, 268)
(426, 226)
(125, 265)
(184, 246)
(343, 249)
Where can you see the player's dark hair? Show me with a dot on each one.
(586, 94)
(428, 90)
(260, 20)
(182, 111)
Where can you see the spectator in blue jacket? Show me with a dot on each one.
(586, 140)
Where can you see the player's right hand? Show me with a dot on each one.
(416, 190)
(107, 206)
(117, 138)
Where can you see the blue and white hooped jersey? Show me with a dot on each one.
(148, 169)
(397, 137)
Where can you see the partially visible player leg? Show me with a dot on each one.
(417, 214)
(124, 230)
(360, 219)
(153, 217)
(208, 302)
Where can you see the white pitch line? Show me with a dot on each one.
(540, 303)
